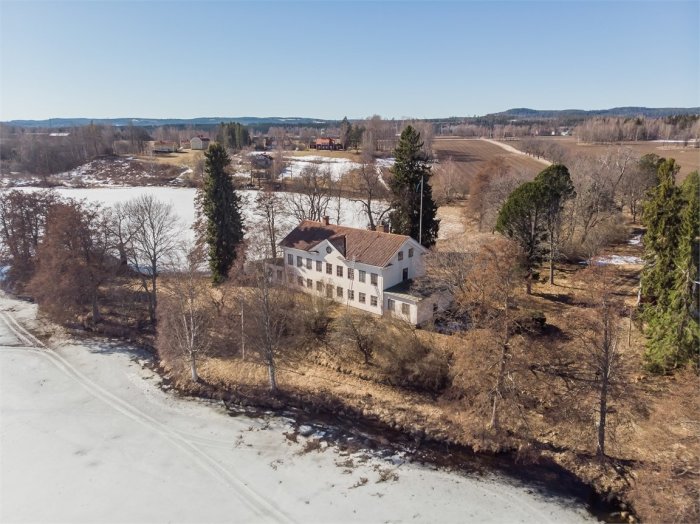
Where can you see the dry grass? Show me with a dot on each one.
(687, 157)
(188, 157)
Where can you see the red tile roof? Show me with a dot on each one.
(374, 248)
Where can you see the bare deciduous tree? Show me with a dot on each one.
(184, 311)
(155, 233)
(489, 298)
(312, 196)
(372, 188)
(268, 322)
(268, 208)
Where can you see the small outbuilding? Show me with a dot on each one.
(199, 142)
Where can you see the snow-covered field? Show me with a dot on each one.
(182, 199)
(87, 436)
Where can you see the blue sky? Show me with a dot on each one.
(328, 59)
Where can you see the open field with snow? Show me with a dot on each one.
(88, 436)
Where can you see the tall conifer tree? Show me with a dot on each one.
(671, 270)
(411, 173)
(220, 206)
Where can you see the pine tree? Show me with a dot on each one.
(522, 219)
(671, 215)
(557, 188)
(411, 173)
(219, 206)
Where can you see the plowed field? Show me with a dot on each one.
(471, 155)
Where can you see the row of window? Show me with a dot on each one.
(410, 253)
(339, 291)
(339, 270)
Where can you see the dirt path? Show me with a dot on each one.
(511, 149)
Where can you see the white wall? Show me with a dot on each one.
(386, 277)
(336, 259)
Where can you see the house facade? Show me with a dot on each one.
(369, 270)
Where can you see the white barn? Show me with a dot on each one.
(199, 142)
(374, 271)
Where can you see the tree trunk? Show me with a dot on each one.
(493, 424)
(96, 317)
(273, 377)
(193, 367)
(551, 260)
(528, 282)
(602, 414)
(152, 298)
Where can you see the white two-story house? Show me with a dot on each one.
(370, 270)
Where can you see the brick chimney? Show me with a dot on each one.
(326, 220)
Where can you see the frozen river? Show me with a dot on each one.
(88, 436)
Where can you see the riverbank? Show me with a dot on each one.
(89, 435)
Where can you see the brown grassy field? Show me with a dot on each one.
(471, 155)
(188, 157)
(687, 157)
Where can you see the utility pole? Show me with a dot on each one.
(420, 222)
(242, 335)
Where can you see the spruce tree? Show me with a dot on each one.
(219, 205)
(671, 215)
(411, 173)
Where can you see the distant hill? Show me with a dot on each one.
(156, 122)
(568, 115)
(651, 112)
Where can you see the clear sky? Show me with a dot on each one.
(327, 59)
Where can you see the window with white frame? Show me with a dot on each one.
(373, 278)
(362, 275)
(300, 261)
(329, 291)
(390, 304)
(410, 252)
(400, 255)
(361, 298)
(405, 309)
(300, 281)
(309, 283)
(339, 271)
(329, 268)
(351, 294)
(319, 265)
(290, 259)
(351, 273)
(339, 292)
(373, 301)
(308, 263)
(319, 286)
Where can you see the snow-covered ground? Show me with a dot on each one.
(182, 199)
(87, 436)
(336, 167)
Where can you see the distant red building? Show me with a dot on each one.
(326, 143)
